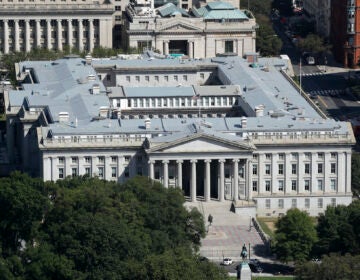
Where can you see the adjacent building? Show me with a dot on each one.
(225, 128)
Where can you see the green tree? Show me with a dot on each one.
(294, 236)
(312, 43)
(332, 267)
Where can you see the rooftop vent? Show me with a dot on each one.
(88, 59)
(95, 89)
(63, 117)
(243, 122)
(259, 110)
(147, 123)
(91, 77)
(103, 112)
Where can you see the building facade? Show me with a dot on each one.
(345, 30)
(215, 28)
(320, 12)
(55, 24)
(242, 134)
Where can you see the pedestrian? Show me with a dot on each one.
(210, 219)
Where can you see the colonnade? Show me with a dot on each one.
(190, 48)
(221, 179)
(24, 34)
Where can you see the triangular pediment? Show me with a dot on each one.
(201, 143)
(179, 26)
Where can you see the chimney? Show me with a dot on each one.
(243, 122)
(88, 59)
(259, 110)
(63, 117)
(147, 123)
(95, 89)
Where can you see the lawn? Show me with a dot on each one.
(267, 225)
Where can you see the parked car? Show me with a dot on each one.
(227, 261)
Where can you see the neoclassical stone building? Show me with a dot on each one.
(54, 24)
(241, 133)
(215, 28)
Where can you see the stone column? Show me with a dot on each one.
(207, 180)
(190, 49)
(59, 35)
(287, 172)
(326, 171)
(249, 179)
(348, 173)
(47, 171)
(91, 35)
(70, 34)
(48, 34)
(222, 180)
(17, 43)
(54, 170)
(166, 173)
(236, 179)
(151, 169)
(38, 33)
(27, 35)
(340, 172)
(300, 180)
(166, 47)
(179, 173)
(6, 36)
(107, 168)
(67, 167)
(313, 171)
(193, 180)
(81, 35)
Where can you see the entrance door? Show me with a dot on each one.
(178, 47)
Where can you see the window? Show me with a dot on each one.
(185, 77)
(320, 155)
(333, 168)
(87, 159)
(202, 76)
(241, 172)
(137, 78)
(113, 172)
(88, 171)
(320, 203)
(126, 172)
(61, 160)
(267, 169)
(114, 159)
(108, 77)
(268, 156)
(281, 169)
(175, 78)
(293, 169)
(61, 173)
(333, 155)
(101, 159)
(320, 185)
(307, 185)
(229, 46)
(74, 172)
(74, 160)
(281, 185)
(267, 203)
(255, 186)
(166, 78)
(307, 156)
(117, 8)
(294, 156)
(333, 184)
(281, 156)
(255, 156)
(293, 203)
(293, 185)
(333, 202)
(156, 78)
(267, 186)
(307, 202)
(147, 78)
(101, 172)
(320, 168)
(307, 168)
(281, 203)
(128, 79)
(255, 169)
(127, 159)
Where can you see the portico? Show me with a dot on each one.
(219, 169)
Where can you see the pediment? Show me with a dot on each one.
(179, 26)
(202, 144)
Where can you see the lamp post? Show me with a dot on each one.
(250, 222)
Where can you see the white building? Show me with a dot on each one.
(215, 28)
(54, 24)
(242, 133)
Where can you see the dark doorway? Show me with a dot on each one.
(200, 175)
(186, 177)
(214, 179)
(178, 47)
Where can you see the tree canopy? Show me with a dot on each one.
(294, 236)
(86, 228)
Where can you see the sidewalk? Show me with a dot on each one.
(228, 233)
